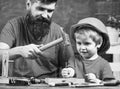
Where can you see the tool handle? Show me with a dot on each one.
(112, 83)
(51, 44)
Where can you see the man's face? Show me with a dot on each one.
(40, 10)
(40, 16)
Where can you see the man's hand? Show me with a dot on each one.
(29, 51)
(68, 72)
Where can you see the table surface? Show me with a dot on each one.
(62, 87)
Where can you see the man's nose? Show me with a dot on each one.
(45, 14)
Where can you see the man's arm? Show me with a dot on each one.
(13, 53)
(26, 51)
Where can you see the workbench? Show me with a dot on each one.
(61, 87)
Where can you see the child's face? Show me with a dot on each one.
(85, 46)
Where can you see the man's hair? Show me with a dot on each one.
(89, 32)
(45, 1)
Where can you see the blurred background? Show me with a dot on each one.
(69, 12)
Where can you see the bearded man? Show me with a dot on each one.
(21, 38)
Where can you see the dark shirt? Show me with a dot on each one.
(100, 67)
(17, 33)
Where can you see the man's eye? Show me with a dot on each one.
(41, 9)
(50, 10)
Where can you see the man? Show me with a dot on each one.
(22, 36)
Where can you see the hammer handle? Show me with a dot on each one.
(51, 44)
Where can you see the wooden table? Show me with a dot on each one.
(62, 87)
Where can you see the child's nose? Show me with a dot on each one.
(83, 47)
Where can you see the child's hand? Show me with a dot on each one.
(92, 78)
(68, 72)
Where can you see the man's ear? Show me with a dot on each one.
(28, 4)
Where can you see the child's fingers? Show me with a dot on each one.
(68, 72)
(91, 76)
(71, 72)
(92, 80)
(65, 72)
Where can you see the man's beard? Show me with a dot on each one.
(40, 26)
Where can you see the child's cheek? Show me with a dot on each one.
(78, 47)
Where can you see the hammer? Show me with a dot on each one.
(64, 39)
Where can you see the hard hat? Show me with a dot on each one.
(97, 25)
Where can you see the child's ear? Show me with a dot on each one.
(99, 44)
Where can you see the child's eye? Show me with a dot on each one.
(79, 43)
(87, 43)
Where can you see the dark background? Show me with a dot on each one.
(67, 13)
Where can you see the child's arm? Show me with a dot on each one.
(68, 72)
(107, 72)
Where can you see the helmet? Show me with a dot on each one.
(98, 26)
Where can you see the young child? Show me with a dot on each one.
(91, 38)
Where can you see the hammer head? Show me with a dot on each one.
(65, 37)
